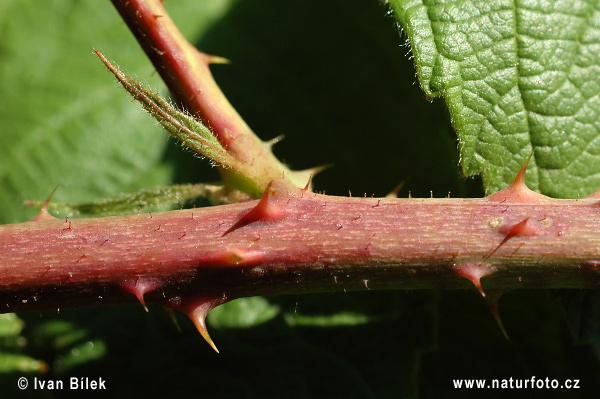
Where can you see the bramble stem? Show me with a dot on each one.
(305, 243)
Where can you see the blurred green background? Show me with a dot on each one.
(336, 78)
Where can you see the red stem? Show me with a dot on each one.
(299, 243)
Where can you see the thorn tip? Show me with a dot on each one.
(492, 302)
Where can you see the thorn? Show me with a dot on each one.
(523, 228)
(172, 317)
(263, 210)
(215, 59)
(492, 302)
(44, 215)
(474, 272)
(272, 142)
(307, 187)
(396, 190)
(302, 175)
(197, 309)
(141, 286)
(520, 178)
(518, 190)
(318, 169)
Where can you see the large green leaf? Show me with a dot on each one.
(64, 120)
(517, 76)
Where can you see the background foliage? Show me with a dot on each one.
(334, 77)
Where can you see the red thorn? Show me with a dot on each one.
(44, 215)
(197, 309)
(264, 210)
(518, 190)
(523, 228)
(474, 272)
(141, 286)
(492, 302)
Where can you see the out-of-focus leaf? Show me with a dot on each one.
(583, 313)
(11, 346)
(81, 354)
(12, 363)
(336, 320)
(243, 313)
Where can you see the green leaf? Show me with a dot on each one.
(243, 313)
(160, 198)
(81, 354)
(12, 344)
(517, 76)
(64, 121)
(192, 134)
